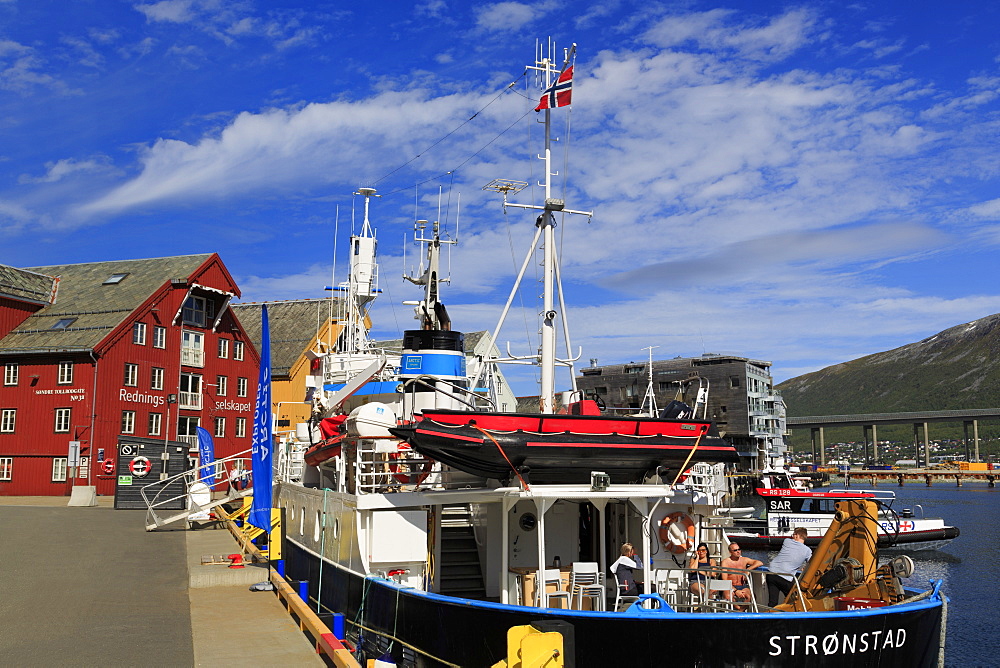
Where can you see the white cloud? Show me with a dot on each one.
(61, 169)
(990, 209)
(23, 69)
(281, 149)
(507, 16)
(717, 30)
(169, 11)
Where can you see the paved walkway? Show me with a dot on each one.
(90, 587)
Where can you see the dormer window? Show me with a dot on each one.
(198, 311)
(114, 279)
(63, 323)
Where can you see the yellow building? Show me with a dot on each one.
(297, 328)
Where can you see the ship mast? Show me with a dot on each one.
(430, 311)
(548, 72)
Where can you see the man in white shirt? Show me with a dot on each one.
(794, 555)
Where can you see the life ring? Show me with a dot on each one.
(677, 532)
(405, 472)
(139, 466)
(108, 466)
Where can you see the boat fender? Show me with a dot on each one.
(677, 532)
(139, 466)
(410, 476)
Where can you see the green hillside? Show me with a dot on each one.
(957, 368)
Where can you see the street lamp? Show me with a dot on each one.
(165, 457)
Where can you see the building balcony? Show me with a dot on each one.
(192, 357)
(189, 400)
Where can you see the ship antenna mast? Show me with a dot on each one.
(550, 76)
(650, 397)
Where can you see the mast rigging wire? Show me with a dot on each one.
(459, 127)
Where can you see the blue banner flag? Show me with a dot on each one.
(260, 511)
(206, 456)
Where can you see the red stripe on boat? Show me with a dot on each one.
(451, 437)
(644, 446)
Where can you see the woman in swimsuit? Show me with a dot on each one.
(701, 562)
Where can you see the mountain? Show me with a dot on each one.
(954, 369)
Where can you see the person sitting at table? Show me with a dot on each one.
(623, 571)
(701, 562)
(736, 560)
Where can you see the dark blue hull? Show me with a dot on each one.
(441, 630)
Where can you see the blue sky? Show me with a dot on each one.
(802, 183)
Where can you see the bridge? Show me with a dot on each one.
(869, 423)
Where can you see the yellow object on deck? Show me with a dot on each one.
(247, 533)
(527, 647)
(973, 466)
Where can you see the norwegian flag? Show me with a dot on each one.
(559, 94)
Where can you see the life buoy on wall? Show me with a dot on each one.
(677, 532)
(139, 466)
(406, 472)
(108, 466)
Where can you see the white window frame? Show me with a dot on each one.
(155, 424)
(241, 427)
(221, 385)
(128, 422)
(10, 373)
(60, 467)
(159, 336)
(197, 311)
(139, 333)
(8, 420)
(192, 348)
(187, 429)
(241, 386)
(223, 348)
(131, 374)
(156, 376)
(220, 427)
(65, 373)
(64, 416)
(238, 351)
(189, 391)
(6, 468)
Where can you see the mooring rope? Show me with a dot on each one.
(704, 428)
(516, 472)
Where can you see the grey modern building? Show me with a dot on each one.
(737, 393)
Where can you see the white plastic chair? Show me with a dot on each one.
(672, 586)
(585, 582)
(620, 598)
(551, 576)
(719, 587)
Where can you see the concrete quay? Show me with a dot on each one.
(88, 586)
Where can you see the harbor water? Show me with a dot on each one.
(969, 565)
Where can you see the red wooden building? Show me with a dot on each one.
(89, 352)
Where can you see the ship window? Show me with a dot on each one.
(806, 506)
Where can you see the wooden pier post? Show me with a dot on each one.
(927, 479)
(900, 478)
(958, 480)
